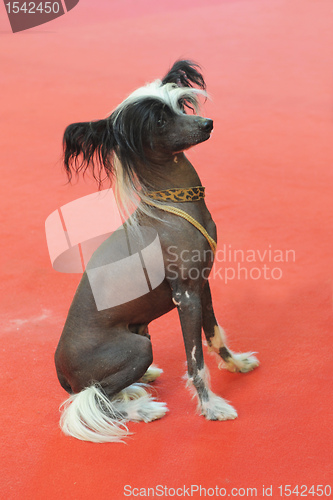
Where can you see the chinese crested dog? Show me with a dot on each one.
(104, 356)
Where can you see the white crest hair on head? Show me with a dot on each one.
(169, 93)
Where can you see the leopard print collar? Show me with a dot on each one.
(179, 195)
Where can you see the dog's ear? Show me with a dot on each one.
(89, 145)
(185, 74)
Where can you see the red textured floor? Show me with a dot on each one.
(269, 178)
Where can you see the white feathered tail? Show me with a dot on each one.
(91, 416)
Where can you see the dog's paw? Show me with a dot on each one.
(151, 374)
(135, 404)
(151, 410)
(242, 362)
(217, 408)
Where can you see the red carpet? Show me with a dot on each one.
(269, 178)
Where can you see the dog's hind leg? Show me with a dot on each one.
(153, 371)
(216, 340)
(106, 389)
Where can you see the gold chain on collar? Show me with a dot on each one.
(182, 195)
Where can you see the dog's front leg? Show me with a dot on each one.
(189, 307)
(216, 340)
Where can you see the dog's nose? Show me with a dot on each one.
(207, 125)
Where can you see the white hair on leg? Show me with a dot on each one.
(138, 405)
(217, 408)
(210, 405)
(151, 374)
(233, 362)
(91, 416)
(241, 362)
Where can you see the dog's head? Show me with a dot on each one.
(149, 126)
(152, 121)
